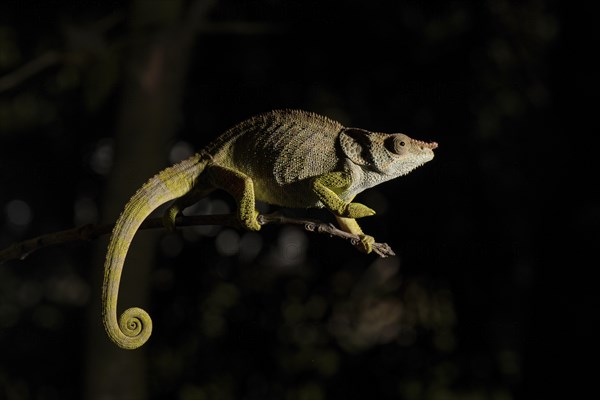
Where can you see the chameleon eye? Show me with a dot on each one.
(396, 145)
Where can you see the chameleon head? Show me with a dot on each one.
(387, 155)
(406, 153)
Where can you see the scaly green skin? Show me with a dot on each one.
(285, 157)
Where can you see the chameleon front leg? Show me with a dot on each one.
(240, 187)
(327, 187)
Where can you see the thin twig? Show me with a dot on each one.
(33, 67)
(381, 249)
(21, 250)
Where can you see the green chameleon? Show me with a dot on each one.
(288, 158)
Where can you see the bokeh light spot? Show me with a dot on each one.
(18, 213)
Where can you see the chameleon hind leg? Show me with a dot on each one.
(240, 187)
(327, 188)
(190, 198)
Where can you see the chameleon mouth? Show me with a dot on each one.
(430, 145)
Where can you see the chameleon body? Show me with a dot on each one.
(289, 158)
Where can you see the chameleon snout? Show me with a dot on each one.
(425, 145)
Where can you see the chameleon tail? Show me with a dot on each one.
(134, 327)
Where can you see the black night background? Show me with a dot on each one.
(491, 295)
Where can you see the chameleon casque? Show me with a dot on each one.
(289, 158)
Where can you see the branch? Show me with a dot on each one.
(30, 69)
(381, 249)
(21, 250)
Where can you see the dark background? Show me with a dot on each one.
(490, 296)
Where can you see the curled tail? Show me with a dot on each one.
(134, 327)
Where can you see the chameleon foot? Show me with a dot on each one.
(366, 243)
(249, 220)
(169, 217)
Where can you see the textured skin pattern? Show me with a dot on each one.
(286, 157)
(292, 146)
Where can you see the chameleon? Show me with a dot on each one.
(289, 158)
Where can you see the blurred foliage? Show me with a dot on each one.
(281, 314)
